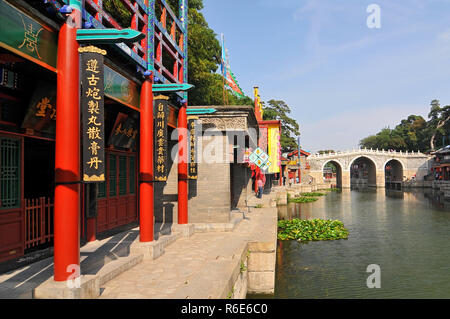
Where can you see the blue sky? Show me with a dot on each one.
(342, 80)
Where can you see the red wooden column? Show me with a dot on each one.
(146, 199)
(67, 154)
(182, 166)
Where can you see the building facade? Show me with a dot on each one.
(44, 201)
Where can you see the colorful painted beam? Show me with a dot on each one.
(99, 36)
(172, 87)
(200, 111)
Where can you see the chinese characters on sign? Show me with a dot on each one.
(192, 168)
(92, 114)
(41, 114)
(124, 133)
(27, 37)
(160, 132)
(31, 38)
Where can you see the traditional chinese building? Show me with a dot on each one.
(224, 181)
(270, 142)
(294, 167)
(441, 164)
(51, 194)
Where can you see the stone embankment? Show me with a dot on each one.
(281, 193)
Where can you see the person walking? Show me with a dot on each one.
(260, 184)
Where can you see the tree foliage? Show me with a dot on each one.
(326, 151)
(279, 110)
(118, 11)
(204, 52)
(414, 133)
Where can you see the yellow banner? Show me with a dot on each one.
(274, 148)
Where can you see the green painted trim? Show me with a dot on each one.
(200, 111)
(172, 87)
(108, 35)
(76, 4)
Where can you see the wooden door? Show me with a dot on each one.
(117, 203)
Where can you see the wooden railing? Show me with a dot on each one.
(38, 221)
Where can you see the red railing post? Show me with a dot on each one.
(42, 219)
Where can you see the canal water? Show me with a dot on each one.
(406, 233)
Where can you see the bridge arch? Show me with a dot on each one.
(363, 171)
(339, 168)
(394, 170)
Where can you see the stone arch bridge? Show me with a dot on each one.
(400, 165)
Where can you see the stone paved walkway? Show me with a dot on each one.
(202, 266)
(198, 267)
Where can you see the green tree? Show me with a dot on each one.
(413, 130)
(385, 139)
(279, 110)
(204, 52)
(437, 125)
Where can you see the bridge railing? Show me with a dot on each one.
(368, 151)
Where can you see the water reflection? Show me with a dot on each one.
(405, 232)
(292, 211)
(437, 199)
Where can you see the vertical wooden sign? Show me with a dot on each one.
(92, 114)
(160, 170)
(193, 167)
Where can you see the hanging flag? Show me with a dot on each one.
(224, 62)
(230, 79)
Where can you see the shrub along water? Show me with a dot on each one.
(311, 230)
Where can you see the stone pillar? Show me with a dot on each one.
(346, 179)
(381, 178)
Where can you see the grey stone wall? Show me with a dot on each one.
(209, 195)
(241, 185)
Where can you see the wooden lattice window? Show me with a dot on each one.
(122, 175)
(132, 175)
(112, 176)
(9, 173)
(102, 190)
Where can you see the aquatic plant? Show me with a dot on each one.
(313, 194)
(329, 189)
(303, 199)
(311, 230)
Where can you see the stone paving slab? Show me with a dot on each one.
(199, 267)
(105, 258)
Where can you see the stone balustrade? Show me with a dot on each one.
(368, 151)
